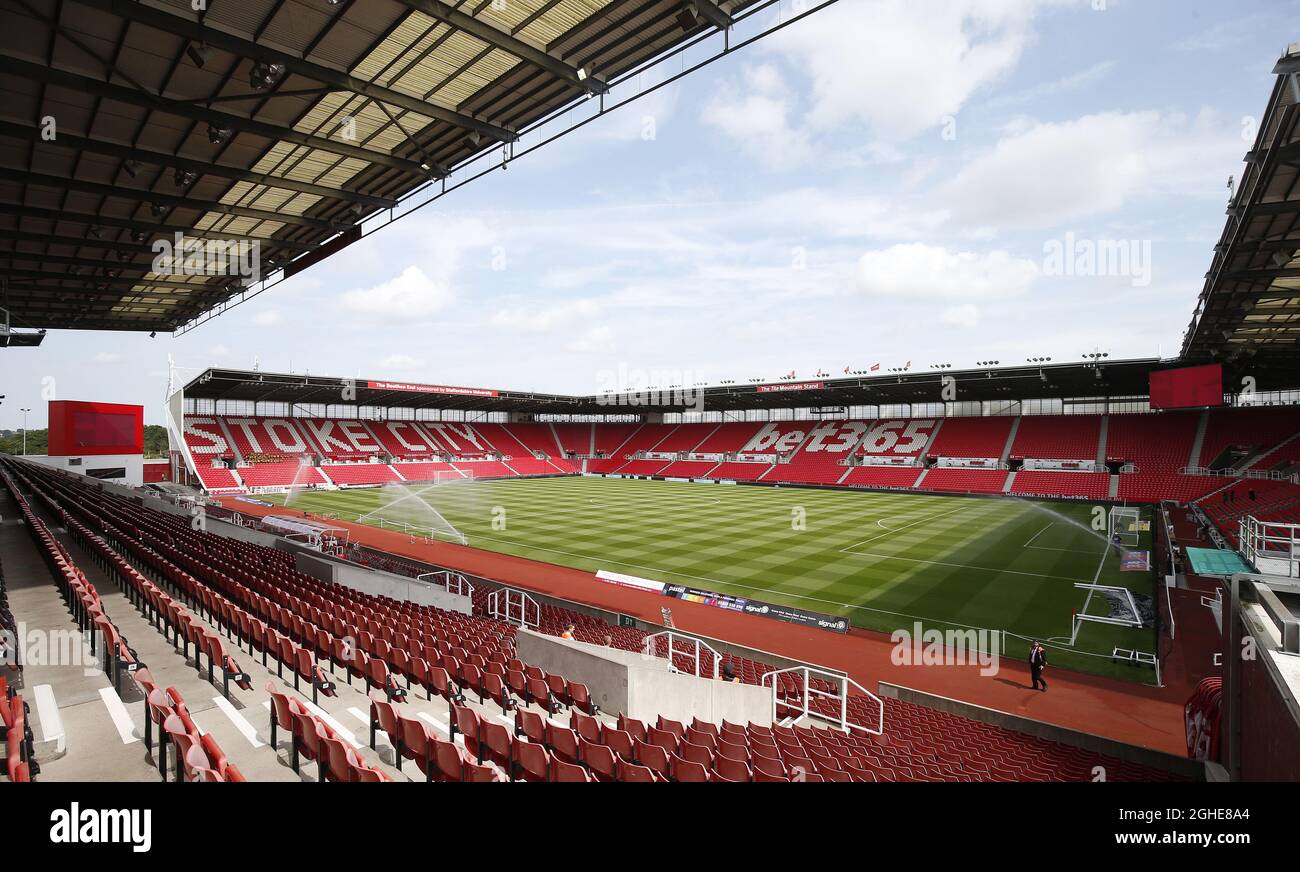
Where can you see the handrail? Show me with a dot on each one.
(842, 722)
(454, 582)
(506, 613)
(650, 649)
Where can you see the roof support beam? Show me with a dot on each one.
(1261, 273)
(89, 277)
(1284, 207)
(89, 263)
(124, 284)
(1265, 245)
(1288, 152)
(15, 130)
(74, 241)
(712, 12)
(142, 195)
(69, 296)
(61, 215)
(193, 30)
(509, 44)
(192, 110)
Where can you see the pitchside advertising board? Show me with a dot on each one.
(789, 614)
(1189, 387)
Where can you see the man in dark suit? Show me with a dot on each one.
(1037, 663)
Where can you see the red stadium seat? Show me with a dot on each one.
(562, 742)
(633, 773)
(534, 761)
(600, 760)
(562, 772)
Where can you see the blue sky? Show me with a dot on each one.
(881, 182)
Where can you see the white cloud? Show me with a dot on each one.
(916, 270)
(107, 357)
(1042, 174)
(400, 361)
(781, 327)
(757, 115)
(642, 120)
(567, 278)
(268, 318)
(897, 67)
(595, 341)
(543, 319)
(966, 315)
(1074, 81)
(411, 295)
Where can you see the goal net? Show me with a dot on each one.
(1125, 526)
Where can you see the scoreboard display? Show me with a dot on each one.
(1189, 387)
(81, 428)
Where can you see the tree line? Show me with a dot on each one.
(155, 442)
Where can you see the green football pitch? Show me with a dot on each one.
(882, 559)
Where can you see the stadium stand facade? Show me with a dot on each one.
(1141, 458)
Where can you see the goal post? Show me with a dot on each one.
(1125, 527)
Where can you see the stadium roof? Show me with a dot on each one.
(1119, 378)
(285, 122)
(1249, 308)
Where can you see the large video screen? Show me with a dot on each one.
(1188, 387)
(95, 428)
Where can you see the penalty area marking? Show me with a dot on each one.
(849, 549)
(1074, 630)
(1030, 543)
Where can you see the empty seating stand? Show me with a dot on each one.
(965, 480)
(972, 437)
(688, 468)
(1047, 483)
(882, 476)
(739, 471)
(360, 473)
(427, 471)
(217, 479)
(287, 474)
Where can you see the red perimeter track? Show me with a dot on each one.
(1120, 710)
